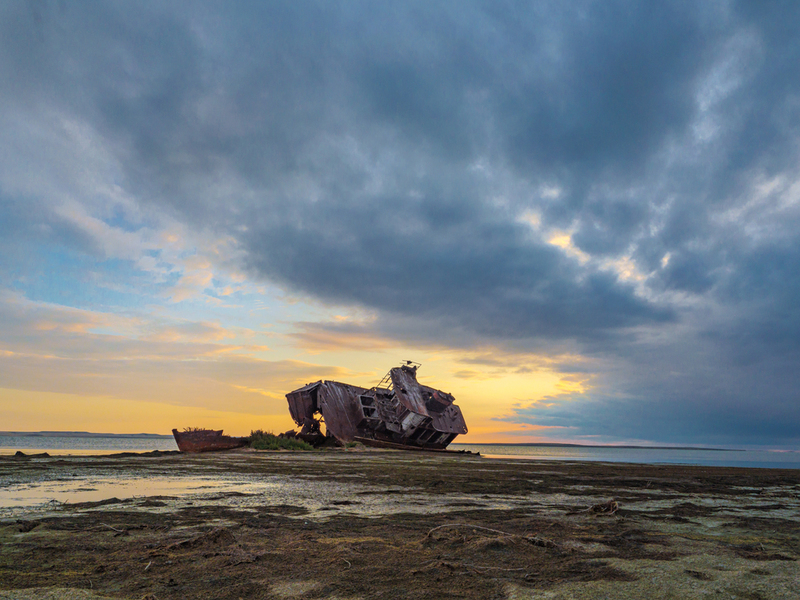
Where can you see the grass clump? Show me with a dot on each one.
(264, 440)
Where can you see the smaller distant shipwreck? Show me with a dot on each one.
(398, 412)
(206, 440)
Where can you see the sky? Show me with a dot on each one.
(582, 218)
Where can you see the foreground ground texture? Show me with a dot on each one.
(383, 524)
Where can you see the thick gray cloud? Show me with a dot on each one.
(394, 157)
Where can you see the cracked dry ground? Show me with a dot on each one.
(382, 524)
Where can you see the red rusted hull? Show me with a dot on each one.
(206, 440)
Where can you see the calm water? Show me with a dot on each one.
(766, 459)
(733, 458)
(9, 444)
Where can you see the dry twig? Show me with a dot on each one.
(609, 507)
(536, 541)
(470, 526)
(488, 567)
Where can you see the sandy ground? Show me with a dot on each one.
(380, 524)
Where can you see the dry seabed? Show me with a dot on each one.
(385, 524)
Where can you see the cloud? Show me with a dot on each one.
(335, 336)
(469, 374)
(50, 348)
(612, 181)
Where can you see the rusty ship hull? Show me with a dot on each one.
(397, 413)
(206, 440)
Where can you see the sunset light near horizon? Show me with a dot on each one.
(582, 219)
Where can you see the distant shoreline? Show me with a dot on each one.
(83, 434)
(559, 445)
(86, 434)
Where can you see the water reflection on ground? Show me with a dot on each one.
(78, 490)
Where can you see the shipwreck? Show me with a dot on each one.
(399, 412)
(195, 439)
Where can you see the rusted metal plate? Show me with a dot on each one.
(393, 446)
(451, 420)
(309, 386)
(408, 390)
(338, 403)
(424, 400)
(301, 402)
(436, 400)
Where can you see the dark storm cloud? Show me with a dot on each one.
(689, 391)
(392, 156)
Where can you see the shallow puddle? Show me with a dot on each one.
(95, 489)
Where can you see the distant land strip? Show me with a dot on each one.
(86, 434)
(559, 445)
(82, 434)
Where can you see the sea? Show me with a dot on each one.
(754, 458)
(757, 458)
(80, 445)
